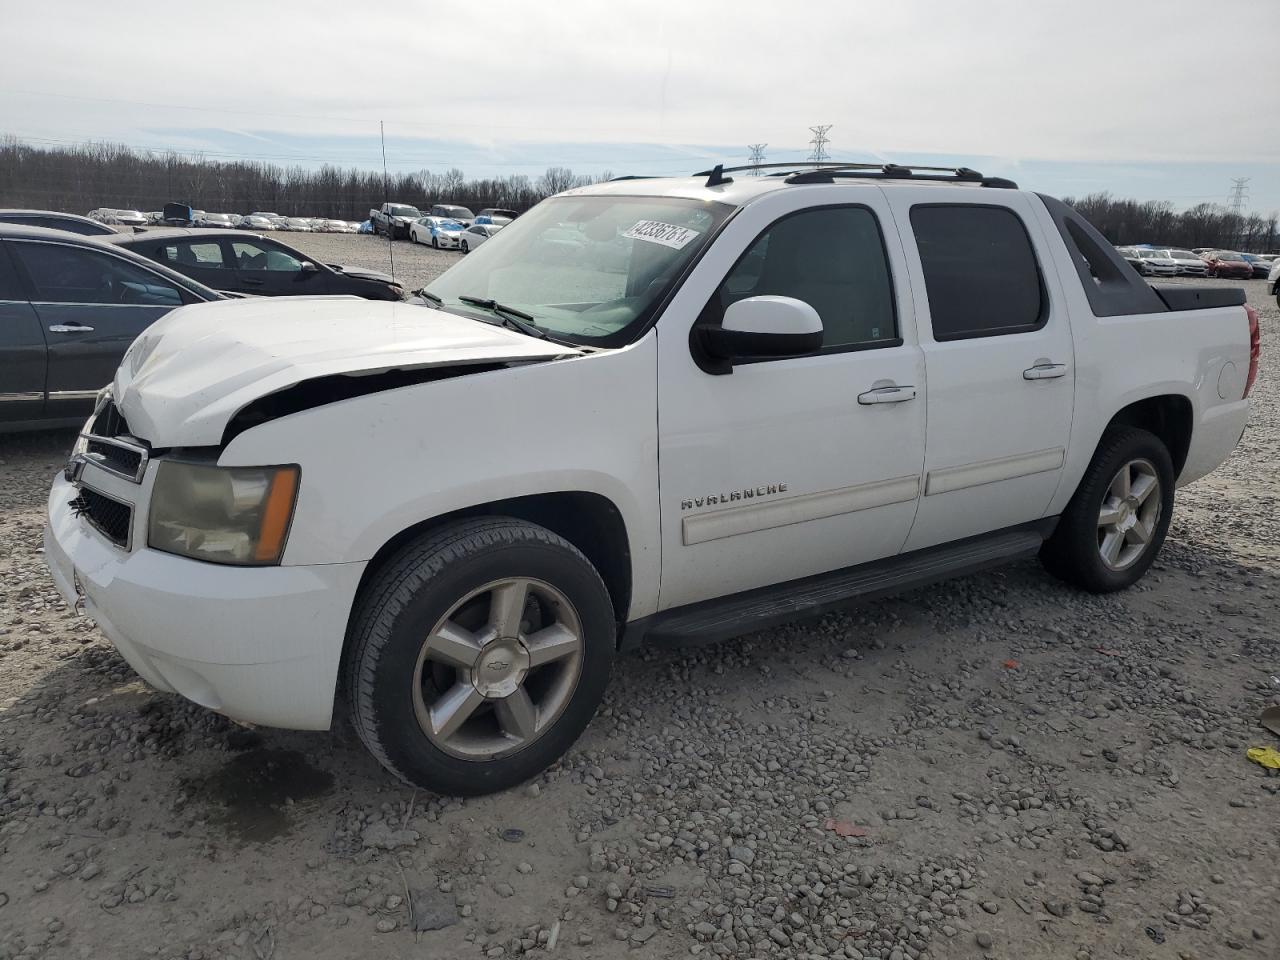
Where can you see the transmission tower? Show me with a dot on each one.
(819, 142)
(1238, 195)
(756, 158)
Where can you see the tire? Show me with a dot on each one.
(464, 247)
(435, 242)
(1075, 552)
(444, 586)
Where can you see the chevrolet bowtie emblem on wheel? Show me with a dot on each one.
(498, 665)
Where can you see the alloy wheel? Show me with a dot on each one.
(497, 670)
(1129, 514)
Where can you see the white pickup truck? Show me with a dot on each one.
(653, 409)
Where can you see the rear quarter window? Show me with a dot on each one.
(980, 271)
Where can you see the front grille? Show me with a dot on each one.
(116, 457)
(109, 422)
(108, 516)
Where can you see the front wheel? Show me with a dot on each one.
(435, 242)
(478, 655)
(1114, 526)
(464, 247)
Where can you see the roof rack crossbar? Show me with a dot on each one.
(822, 171)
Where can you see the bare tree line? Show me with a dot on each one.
(1155, 221)
(81, 178)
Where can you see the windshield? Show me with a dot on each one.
(586, 269)
(1230, 256)
(1150, 254)
(462, 213)
(402, 211)
(1183, 255)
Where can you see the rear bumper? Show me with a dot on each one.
(259, 644)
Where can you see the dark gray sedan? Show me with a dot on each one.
(57, 221)
(70, 306)
(243, 262)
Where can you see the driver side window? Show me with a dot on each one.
(65, 274)
(832, 258)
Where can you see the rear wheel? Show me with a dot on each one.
(1114, 526)
(478, 655)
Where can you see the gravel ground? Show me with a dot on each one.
(415, 264)
(998, 766)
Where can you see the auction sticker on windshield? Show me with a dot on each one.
(667, 234)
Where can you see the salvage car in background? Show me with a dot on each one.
(297, 225)
(1131, 257)
(1157, 263)
(52, 220)
(128, 218)
(251, 264)
(1228, 263)
(477, 234)
(70, 305)
(1189, 265)
(436, 232)
(257, 221)
(1259, 265)
(496, 215)
(217, 220)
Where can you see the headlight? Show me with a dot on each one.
(237, 515)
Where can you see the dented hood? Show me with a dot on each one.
(185, 378)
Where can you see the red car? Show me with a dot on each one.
(1224, 263)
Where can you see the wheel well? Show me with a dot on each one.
(1168, 416)
(587, 520)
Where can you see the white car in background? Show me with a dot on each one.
(477, 234)
(1158, 262)
(437, 232)
(256, 221)
(1188, 263)
(220, 220)
(297, 224)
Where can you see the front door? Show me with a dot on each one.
(1000, 361)
(267, 269)
(798, 466)
(22, 349)
(92, 305)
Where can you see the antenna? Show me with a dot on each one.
(756, 158)
(386, 197)
(819, 142)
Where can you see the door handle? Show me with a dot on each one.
(1044, 370)
(70, 328)
(253, 281)
(892, 393)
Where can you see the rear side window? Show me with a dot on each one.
(980, 271)
(206, 255)
(833, 259)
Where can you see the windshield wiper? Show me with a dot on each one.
(426, 294)
(516, 319)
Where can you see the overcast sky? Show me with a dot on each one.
(1151, 99)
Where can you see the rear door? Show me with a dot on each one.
(22, 350)
(92, 304)
(999, 359)
(266, 268)
(204, 259)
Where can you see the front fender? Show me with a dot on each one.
(375, 465)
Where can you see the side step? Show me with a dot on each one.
(731, 616)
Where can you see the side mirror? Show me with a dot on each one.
(309, 267)
(762, 328)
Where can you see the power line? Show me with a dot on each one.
(819, 142)
(756, 158)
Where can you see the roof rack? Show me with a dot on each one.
(826, 172)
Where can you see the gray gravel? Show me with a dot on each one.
(415, 265)
(1012, 769)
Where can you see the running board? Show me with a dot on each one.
(724, 617)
